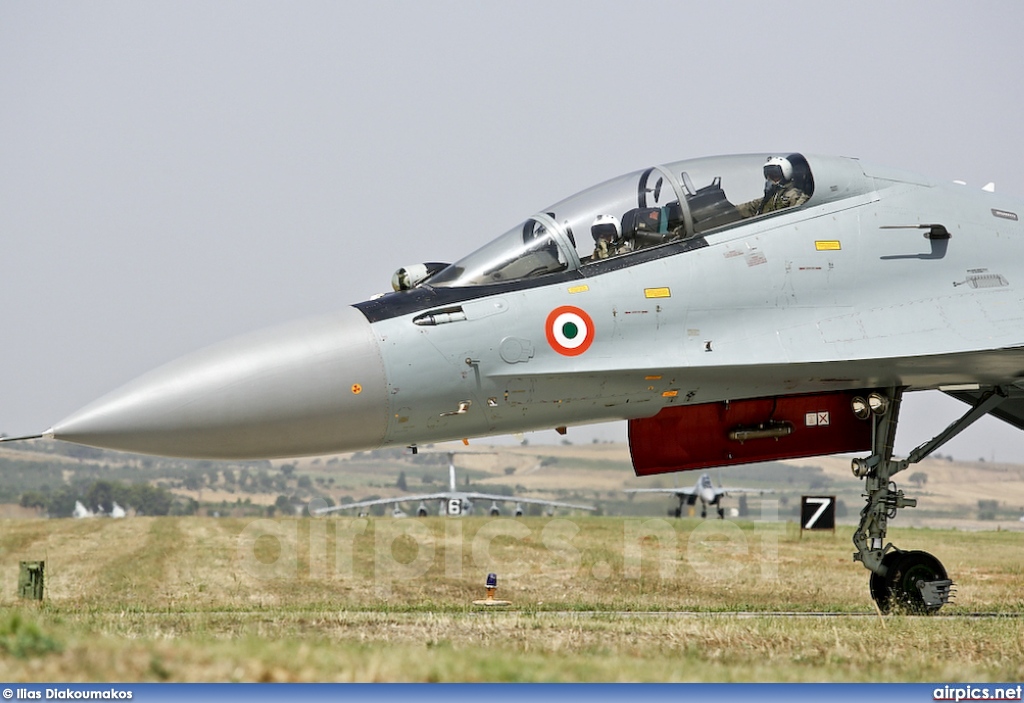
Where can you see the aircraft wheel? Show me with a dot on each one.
(678, 512)
(879, 589)
(898, 590)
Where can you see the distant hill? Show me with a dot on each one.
(966, 495)
(951, 493)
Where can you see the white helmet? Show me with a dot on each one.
(606, 227)
(778, 168)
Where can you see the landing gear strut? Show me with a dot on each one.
(912, 581)
(718, 508)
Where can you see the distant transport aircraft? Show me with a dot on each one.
(453, 502)
(704, 490)
(731, 309)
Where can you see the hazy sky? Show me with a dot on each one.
(175, 173)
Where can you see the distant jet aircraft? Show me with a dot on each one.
(453, 502)
(704, 491)
(731, 309)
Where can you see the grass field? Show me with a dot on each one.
(593, 599)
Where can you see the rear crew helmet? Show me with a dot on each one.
(778, 168)
(606, 227)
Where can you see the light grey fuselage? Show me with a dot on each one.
(855, 288)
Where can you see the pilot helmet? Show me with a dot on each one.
(606, 227)
(778, 168)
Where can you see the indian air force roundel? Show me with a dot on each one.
(570, 331)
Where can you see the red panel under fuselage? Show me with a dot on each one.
(682, 438)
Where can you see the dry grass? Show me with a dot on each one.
(327, 645)
(201, 599)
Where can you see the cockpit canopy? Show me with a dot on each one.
(644, 209)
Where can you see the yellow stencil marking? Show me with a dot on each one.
(579, 289)
(827, 245)
(657, 293)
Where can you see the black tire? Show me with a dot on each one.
(880, 592)
(897, 590)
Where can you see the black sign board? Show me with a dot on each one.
(817, 513)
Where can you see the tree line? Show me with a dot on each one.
(143, 498)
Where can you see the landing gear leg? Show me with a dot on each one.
(914, 581)
(883, 500)
(721, 513)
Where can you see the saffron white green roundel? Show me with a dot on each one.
(570, 331)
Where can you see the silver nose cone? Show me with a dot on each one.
(309, 387)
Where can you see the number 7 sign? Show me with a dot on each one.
(817, 513)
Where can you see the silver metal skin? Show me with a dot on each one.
(312, 386)
(881, 279)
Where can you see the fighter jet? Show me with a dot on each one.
(731, 309)
(704, 490)
(453, 502)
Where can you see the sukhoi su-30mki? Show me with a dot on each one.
(731, 309)
(704, 491)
